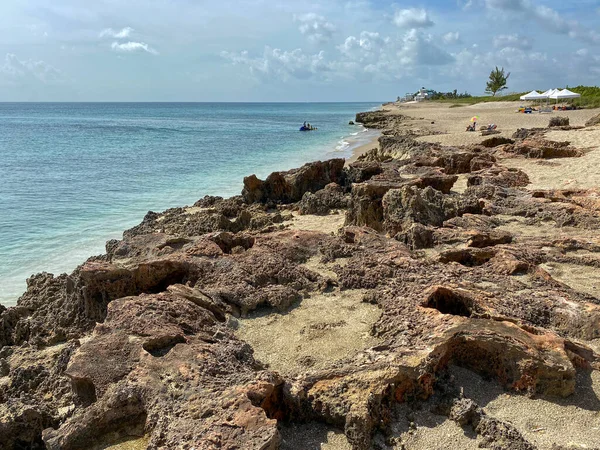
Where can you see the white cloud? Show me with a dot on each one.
(412, 18)
(557, 29)
(547, 17)
(513, 59)
(582, 52)
(511, 56)
(364, 46)
(529, 69)
(451, 37)
(121, 34)
(130, 47)
(281, 64)
(315, 27)
(552, 20)
(420, 49)
(384, 58)
(366, 56)
(514, 41)
(16, 70)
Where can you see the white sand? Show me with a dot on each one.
(312, 436)
(574, 420)
(323, 224)
(563, 173)
(322, 329)
(566, 173)
(453, 121)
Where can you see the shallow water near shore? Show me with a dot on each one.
(75, 175)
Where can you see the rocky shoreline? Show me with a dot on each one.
(402, 266)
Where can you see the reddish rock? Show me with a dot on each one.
(322, 202)
(146, 344)
(407, 205)
(290, 186)
(140, 341)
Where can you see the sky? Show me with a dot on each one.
(274, 50)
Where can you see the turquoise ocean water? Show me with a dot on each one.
(75, 175)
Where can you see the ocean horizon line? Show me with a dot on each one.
(189, 102)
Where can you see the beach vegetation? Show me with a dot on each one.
(450, 95)
(497, 81)
(435, 95)
(590, 97)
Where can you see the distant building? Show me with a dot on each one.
(421, 95)
(424, 94)
(408, 97)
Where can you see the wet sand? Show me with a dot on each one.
(373, 143)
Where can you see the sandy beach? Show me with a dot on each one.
(447, 124)
(444, 124)
(566, 173)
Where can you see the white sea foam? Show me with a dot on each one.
(342, 146)
(349, 143)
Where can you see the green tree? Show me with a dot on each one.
(497, 81)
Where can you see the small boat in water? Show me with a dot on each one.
(307, 127)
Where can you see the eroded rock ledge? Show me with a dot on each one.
(145, 342)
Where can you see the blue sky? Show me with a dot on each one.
(261, 50)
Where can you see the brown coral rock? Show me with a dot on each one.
(287, 187)
(144, 342)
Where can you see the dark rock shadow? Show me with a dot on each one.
(310, 436)
(407, 418)
(484, 390)
(584, 396)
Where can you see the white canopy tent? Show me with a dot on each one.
(549, 92)
(564, 95)
(533, 95)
